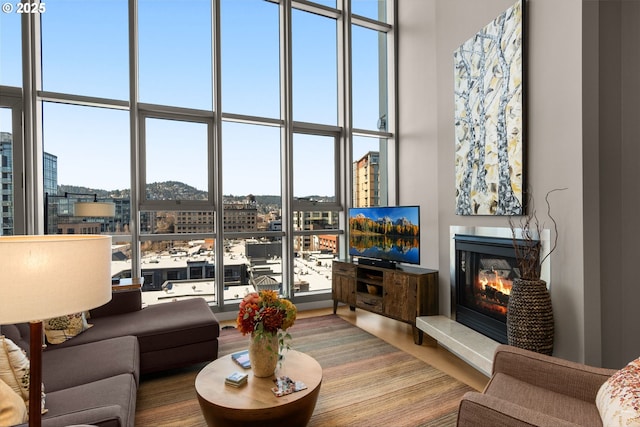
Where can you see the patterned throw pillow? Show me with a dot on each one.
(60, 329)
(15, 369)
(13, 410)
(618, 399)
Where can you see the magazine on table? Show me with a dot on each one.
(285, 385)
(242, 358)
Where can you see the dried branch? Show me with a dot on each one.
(555, 224)
(528, 254)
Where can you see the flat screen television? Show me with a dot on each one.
(385, 235)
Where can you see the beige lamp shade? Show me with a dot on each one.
(48, 276)
(94, 209)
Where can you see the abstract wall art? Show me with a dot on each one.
(489, 124)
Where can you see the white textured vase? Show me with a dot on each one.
(263, 355)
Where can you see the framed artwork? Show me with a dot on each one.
(489, 118)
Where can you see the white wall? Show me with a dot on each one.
(429, 31)
(418, 120)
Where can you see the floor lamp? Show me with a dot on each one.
(49, 276)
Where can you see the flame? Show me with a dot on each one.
(496, 282)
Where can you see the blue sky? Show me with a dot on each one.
(85, 52)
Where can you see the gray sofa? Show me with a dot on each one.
(93, 378)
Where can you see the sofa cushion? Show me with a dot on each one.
(82, 364)
(618, 399)
(123, 301)
(160, 326)
(13, 410)
(59, 329)
(170, 358)
(107, 402)
(554, 404)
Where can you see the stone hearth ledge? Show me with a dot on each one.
(471, 346)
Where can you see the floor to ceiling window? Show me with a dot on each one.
(231, 136)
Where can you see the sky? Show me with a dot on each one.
(85, 51)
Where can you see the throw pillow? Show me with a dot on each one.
(13, 410)
(618, 399)
(15, 369)
(60, 329)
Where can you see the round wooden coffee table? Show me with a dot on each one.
(254, 404)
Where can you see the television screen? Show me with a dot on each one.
(390, 233)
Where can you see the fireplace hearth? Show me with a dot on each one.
(485, 268)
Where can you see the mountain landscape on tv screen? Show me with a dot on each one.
(388, 237)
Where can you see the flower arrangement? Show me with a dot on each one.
(264, 314)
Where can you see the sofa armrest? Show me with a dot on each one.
(561, 376)
(481, 410)
(125, 301)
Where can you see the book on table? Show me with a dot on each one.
(242, 358)
(236, 379)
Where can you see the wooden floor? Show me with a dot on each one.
(400, 335)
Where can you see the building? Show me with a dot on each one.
(159, 270)
(240, 216)
(366, 180)
(328, 243)
(193, 222)
(312, 220)
(6, 180)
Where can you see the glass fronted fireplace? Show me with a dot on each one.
(485, 268)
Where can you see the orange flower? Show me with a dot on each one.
(263, 312)
(272, 319)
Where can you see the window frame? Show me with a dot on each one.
(147, 111)
(343, 133)
(326, 131)
(11, 98)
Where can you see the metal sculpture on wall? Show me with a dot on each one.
(489, 125)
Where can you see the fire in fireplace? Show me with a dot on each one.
(493, 285)
(485, 268)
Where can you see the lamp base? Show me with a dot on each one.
(35, 373)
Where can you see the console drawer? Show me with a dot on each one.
(369, 302)
(343, 268)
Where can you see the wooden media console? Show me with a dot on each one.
(402, 293)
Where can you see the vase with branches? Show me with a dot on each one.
(529, 312)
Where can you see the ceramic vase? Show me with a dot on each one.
(530, 316)
(263, 354)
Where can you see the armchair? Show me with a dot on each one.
(531, 389)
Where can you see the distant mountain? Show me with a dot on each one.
(173, 189)
(86, 190)
(177, 190)
(361, 224)
(155, 191)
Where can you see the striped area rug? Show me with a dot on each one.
(366, 382)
